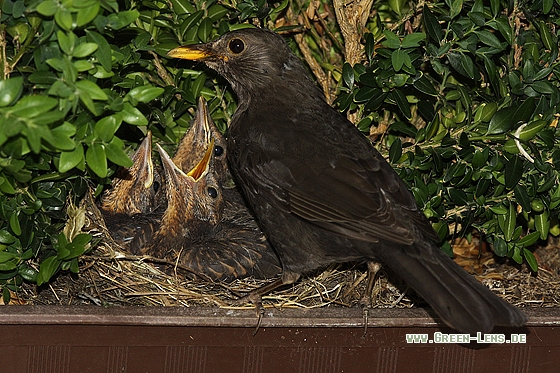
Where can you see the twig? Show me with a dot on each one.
(161, 70)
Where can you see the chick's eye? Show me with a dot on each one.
(218, 150)
(236, 46)
(212, 192)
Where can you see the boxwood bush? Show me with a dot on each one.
(460, 96)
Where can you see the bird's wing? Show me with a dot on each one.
(333, 178)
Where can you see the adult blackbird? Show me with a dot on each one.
(193, 232)
(321, 191)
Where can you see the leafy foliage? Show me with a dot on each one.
(475, 92)
(462, 97)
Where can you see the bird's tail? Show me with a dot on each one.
(459, 299)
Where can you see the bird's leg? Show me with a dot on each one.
(365, 302)
(255, 297)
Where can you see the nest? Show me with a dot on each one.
(109, 276)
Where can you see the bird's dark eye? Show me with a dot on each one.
(218, 150)
(212, 192)
(236, 46)
(156, 186)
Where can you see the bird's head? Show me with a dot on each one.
(196, 141)
(250, 59)
(193, 197)
(135, 189)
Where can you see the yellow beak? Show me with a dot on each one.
(189, 52)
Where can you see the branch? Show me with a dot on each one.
(352, 18)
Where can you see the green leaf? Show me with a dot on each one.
(33, 106)
(103, 52)
(81, 239)
(500, 247)
(542, 224)
(502, 24)
(455, 7)
(96, 159)
(402, 103)
(458, 196)
(191, 21)
(73, 251)
(395, 151)
(70, 159)
(145, 93)
(6, 237)
(204, 29)
(117, 21)
(198, 84)
(87, 14)
(116, 154)
(8, 266)
(61, 136)
(6, 256)
(462, 64)
(397, 5)
(522, 197)
(47, 269)
(74, 266)
(425, 86)
(84, 50)
(531, 260)
(489, 39)
(413, 40)
(397, 59)
(82, 65)
(47, 8)
(348, 75)
(106, 127)
(507, 222)
(513, 171)
(217, 11)
(495, 7)
(10, 90)
(370, 45)
(63, 18)
(91, 89)
(529, 239)
(515, 253)
(66, 41)
(525, 111)
(480, 158)
(364, 94)
(28, 274)
(502, 121)
(392, 40)
(433, 28)
(543, 87)
(377, 98)
(477, 18)
(132, 115)
(181, 6)
(14, 224)
(546, 36)
(529, 131)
